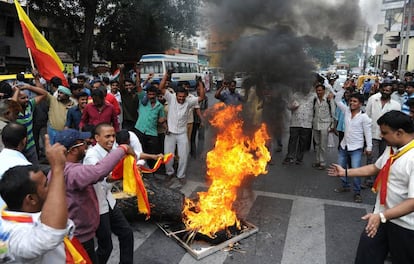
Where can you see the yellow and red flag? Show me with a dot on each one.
(47, 61)
(127, 170)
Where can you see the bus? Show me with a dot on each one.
(185, 68)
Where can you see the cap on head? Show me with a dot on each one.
(68, 137)
(64, 90)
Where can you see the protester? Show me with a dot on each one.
(357, 134)
(228, 94)
(151, 113)
(9, 110)
(300, 128)
(74, 115)
(178, 108)
(98, 112)
(389, 227)
(34, 224)
(377, 105)
(130, 93)
(80, 179)
(112, 219)
(26, 116)
(323, 123)
(58, 109)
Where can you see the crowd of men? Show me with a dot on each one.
(153, 118)
(376, 120)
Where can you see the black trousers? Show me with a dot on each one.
(89, 247)
(128, 125)
(114, 222)
(150, 145)
(299, 142)
(391, 238)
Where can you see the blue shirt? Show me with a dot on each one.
(340, 116)
(367, 87)
(73, 117)
(230, 98)
(404, 108)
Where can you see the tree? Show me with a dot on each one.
(129, 29)
(70, 22)
(126, 28)
(321, 50)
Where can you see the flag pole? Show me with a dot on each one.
(31, 58)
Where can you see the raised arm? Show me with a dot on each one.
(217, 95)
(338, 100)
(53, 213)
(138, 79)
(202, 90)
(36, 76)
(164, 81)
(121, 68)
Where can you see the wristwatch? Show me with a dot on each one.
(383, 219)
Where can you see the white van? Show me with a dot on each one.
(185, 67)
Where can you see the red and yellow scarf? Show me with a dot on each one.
(127, 170)
(75, 253)
(381, 182)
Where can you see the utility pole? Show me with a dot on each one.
(402, 65)
(368, 32)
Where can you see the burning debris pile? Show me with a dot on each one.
(235, 158)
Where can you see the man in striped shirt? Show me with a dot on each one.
(26, 116)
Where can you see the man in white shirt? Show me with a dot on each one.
(390, 227)
(14, 137)
(179, 105)
(357, 128)
(377, 105)
(111, 217)
(35, 221)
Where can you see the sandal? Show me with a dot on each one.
(357, 198)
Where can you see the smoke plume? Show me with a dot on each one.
(270, 38)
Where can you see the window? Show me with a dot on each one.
(152, 67)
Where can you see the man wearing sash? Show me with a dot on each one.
(390, 227)
(35, 222)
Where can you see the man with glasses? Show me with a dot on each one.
(80, 179)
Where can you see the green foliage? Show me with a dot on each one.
(352, 56)
(130, 28)
(321, 50)
(126, 28)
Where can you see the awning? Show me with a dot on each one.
(391, 54)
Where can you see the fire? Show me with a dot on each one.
(234, 158)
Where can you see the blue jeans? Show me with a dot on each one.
(52, 134)
(354, 156)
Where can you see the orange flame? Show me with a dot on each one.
(234, 157)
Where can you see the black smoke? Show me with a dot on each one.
(270, 40)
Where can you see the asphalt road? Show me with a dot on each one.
(299, 218)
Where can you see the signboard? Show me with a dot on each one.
(68, 67)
